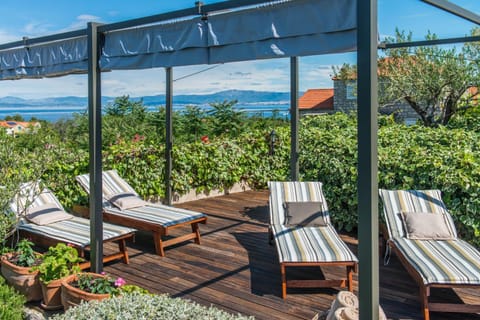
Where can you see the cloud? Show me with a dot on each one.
(81, 21)
(36, 28)
(6, 37)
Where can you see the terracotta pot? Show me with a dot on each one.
(72, 296)
(52, 295)
(22, 279)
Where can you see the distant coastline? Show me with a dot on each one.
(259, 103)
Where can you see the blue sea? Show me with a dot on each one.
(55, 113)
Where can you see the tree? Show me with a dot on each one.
(225, 119)
(433, 80)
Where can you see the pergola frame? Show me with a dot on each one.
(367, 123)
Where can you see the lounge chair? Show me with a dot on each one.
(305, 237)
(157, 218)
(422, 234)
(44, 220)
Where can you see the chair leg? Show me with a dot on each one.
(123, 249)
(350, 278)
(424, 293)
(157, 239)
(284, 281)
(196, 230)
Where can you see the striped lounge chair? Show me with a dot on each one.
(156, 218)
(303, 245)
(438, 260)
(71, 229)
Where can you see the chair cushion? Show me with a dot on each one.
(46, 214)
(126, 200)
(304, 214)
(449, 261)
(426, 225)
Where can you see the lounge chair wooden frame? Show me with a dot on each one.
(424, 289)
(159, 231)
(350, 264)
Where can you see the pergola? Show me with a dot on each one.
(226, 32)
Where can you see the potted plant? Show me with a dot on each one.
(17, 269)
(88, 286)
(58, 262)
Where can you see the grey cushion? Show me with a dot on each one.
(46, 214)
(304, 214)
(126, 200)
(426, 226)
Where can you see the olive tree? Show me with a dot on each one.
(433, 80)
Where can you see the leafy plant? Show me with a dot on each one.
(23, 255)
(98, 285)
(11, 302)
(141, 306)
(58, 262)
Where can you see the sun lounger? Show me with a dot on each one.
(44, 220)
(304, 238)
(422, 234)
(156, 218)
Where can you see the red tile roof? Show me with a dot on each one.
(316, 99)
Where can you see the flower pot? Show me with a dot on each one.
(52, 295)
(72, 296)
(22, 279)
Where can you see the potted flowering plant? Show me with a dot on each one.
(58, 262)
(87, 286)
(17, 269)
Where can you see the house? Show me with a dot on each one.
(19, 127)
(315, 101)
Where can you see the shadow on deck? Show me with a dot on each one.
(237, 270)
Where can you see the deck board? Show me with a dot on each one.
(237, 270)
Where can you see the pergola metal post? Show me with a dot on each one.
(168, 134)
(367, 159)
(294, 119)
(95, 146)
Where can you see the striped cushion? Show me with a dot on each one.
(29, 196)
(310, 244)
(304, 244)
(444, 262)
(397, 201)
(294, 191)
(75, 230)
(154, 213)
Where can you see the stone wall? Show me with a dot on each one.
(345, 100)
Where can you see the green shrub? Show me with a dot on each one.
(141, 306)
(11, 302)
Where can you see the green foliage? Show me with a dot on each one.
(98, 285)
(24, 254)
(225, 119)
(140, 306)
(58, 262)
(11, 302)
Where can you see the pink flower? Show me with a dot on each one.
(103, 273)
(119, 282)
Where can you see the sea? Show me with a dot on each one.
(55, 113)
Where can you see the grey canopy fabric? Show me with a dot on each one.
(46, 60)
(274, 30)
(290, 28)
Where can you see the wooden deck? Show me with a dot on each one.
(236, 269)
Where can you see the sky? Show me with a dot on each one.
(33, 18)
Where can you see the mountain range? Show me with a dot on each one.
(243, 97)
